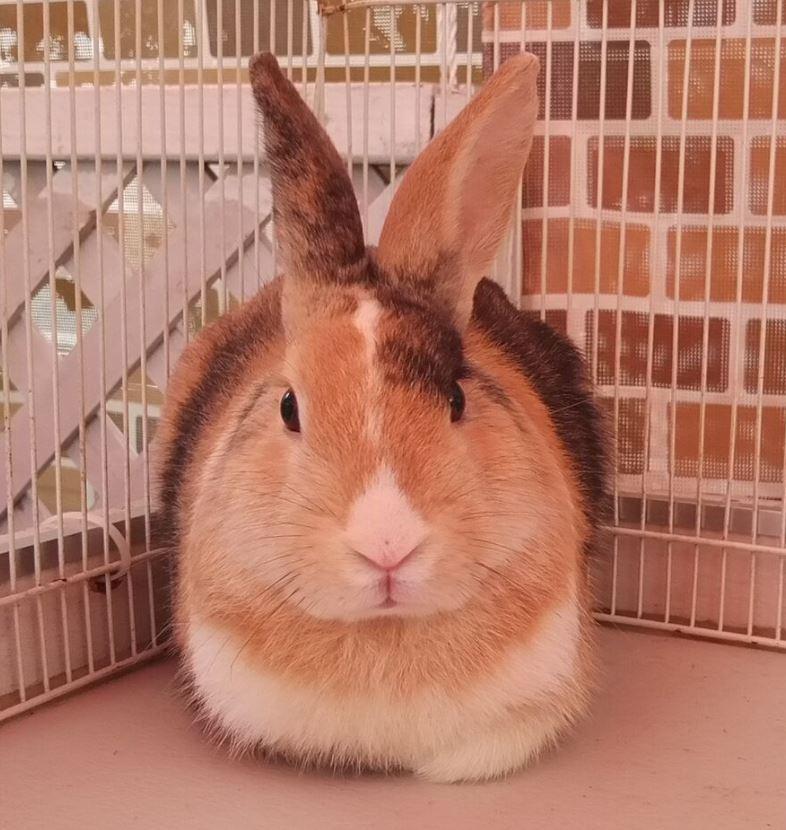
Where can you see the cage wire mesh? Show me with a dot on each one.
(136, 208)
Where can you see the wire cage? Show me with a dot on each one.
(136, 208)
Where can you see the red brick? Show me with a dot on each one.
(774, 379)
(536, 15)
(628, 432)
(559, 172)
(634, 330)
(768, 436)
(617, 66)
(636, 267)
(731, 100)
(588, 96)
(675, 13)
(641, 188)
(723, 271)
(765, 12)
(759, 182)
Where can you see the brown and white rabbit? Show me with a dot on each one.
(382, 479)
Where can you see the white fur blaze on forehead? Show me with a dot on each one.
(383, 525)
(366, 319)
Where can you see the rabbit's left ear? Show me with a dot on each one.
(450, 215)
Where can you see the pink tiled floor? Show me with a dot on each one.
(684, 735)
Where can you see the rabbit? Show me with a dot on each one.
(383, 481)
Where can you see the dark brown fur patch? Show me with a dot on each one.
(557, 372)
(419, 346)
(318, 225)
(233, 342)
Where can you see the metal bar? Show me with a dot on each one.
(7, 427)
(734, 379)
(82, 682)
(697, 631)
(108, 571)
(675, 334)
(366, 78)
(55, 379)
(257, 251)
(704, 540)
(774, 139)
(706, 309)
(124, 315)
(101, 334)
(28, 317)
(621, 276)
(648, 403)
(77, 277)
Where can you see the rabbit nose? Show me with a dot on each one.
(387, 558)
(383, 526)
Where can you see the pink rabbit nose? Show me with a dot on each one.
(383, 527)
(387, 557)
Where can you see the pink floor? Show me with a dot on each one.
(684, 735)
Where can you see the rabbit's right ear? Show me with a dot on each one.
(319, 235)
(452, 211)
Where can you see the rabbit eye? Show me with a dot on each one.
(457, 402)
(289, 414)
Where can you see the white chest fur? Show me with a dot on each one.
(257, 707)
